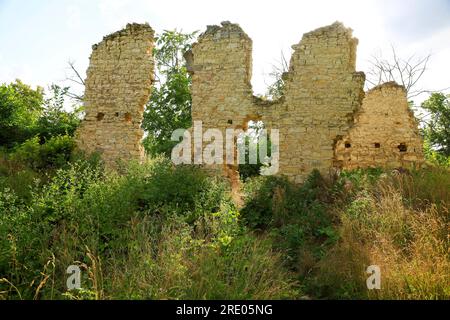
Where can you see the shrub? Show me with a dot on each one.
(54, 153)
(128, 248)
(184, 190)
(20, 107)
(297, 217)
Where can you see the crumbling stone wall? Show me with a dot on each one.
(322, 120)
(118, 85)
(385, 132)
(322, 92)
(220, 65)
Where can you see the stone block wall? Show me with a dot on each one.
(118, 85)
(385, 132)
(220, 65)
(322, 92)
(323, 121)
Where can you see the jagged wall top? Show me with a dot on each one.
(132, 29)
(225, 30)
(118, 85)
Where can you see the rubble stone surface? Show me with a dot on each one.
(326, 121)
(118, 85)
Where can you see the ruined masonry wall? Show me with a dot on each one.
(118, 85)
(385, 132)
(220, 65)
(323, 121)
(322, 92)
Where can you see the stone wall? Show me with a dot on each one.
(385, 132)
(322, 119)
(220, 65)
(322, 92)
(118, 85)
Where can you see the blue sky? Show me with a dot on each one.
(38, 37)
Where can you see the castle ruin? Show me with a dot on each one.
(118, 85)
(325, 119)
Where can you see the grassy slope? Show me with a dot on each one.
(160, 232)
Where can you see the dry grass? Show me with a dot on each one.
(401, 225)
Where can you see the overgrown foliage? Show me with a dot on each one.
(26, 113)
(331, 232)
(134, 240)
(157, 231)
(437, 123)
(164, 232)
(20, 108)
(399, 222)
(169, 107)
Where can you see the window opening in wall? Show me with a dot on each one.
(377, 145)
(100, 116)
(402, 147)
(256, 149)
(348, 145)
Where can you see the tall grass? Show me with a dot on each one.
(147, 234)
(402, 225)
(157, 231)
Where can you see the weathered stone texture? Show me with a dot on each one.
(118, 85)
(385, 132)
(221, 72)
(322, 92)
(322, 120)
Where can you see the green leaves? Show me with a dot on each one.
(437, 127)
(170, 47)
(20, 108)
(170, 104)
(25, 113)
(54, 120)
(54, 153)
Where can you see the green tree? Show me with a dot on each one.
(276, 90)
(20, 109)
(437, 123)
(170, 104)
(253, 136)
(54, 119)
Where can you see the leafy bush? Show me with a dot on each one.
(434, 157)
(133, 244)
(54, 120)
(20, 107)
(437, 124)
(54, 153)
(261, 199)
(26, 113)
(183, 189)
(297, 217)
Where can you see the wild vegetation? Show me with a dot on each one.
(159, 231)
